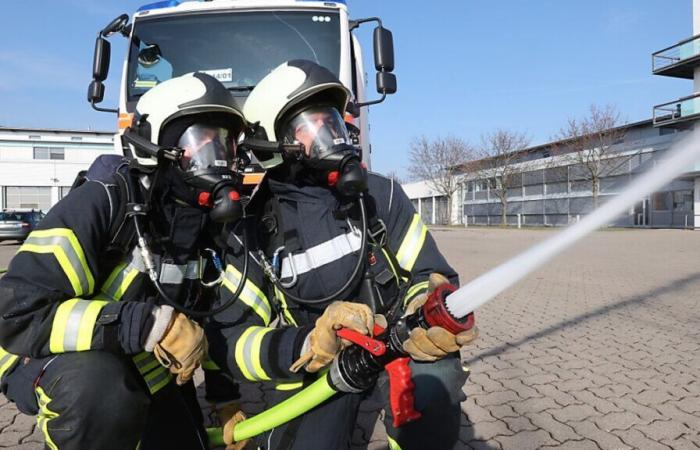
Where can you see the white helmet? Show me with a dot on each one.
(285, 91)
(158, 111)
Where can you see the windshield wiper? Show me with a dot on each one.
(241, 88)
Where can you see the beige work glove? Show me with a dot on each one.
(181, 348)
(323, 343)
(436, 342)
(229, 416)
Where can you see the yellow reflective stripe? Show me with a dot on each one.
(155, 375)
(157, 379)
(6, 361)
(73, 325)
(391, 265)
(414, 291)
(45, 414)
(279, 295)
(247, 353)
(289, 386)
(251, 295)
(412, 243)
(62, 243)
(393, 445)
(209, 364)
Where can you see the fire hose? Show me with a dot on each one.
(357, 367)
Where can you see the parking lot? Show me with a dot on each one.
(600, 349)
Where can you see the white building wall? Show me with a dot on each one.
(19, 168)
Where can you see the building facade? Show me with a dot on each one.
(550, 188)
(38, 166)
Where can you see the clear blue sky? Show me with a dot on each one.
(464, 67)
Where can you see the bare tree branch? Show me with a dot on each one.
(438, 162)
(499, 152)
(589, 144)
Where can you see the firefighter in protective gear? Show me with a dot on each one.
(334, 247)
(88, 345)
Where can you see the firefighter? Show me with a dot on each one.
(334, 246)
(94, 339)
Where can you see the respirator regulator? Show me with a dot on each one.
(325, 148)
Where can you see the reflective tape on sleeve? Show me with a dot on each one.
(412, 243)
(123, 275)
(62, 243)
(247, 353)
(251, 295)
(73, 325)
(6, 361)
(154, 374)
(414, 290)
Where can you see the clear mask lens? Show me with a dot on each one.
(206, 147)
(319, 130)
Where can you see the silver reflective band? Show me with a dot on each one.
(321, 254)
(176, 273)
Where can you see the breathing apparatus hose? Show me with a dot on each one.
(150, 267)
(351, 279)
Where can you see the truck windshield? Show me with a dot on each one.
(237, 48)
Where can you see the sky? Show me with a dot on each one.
(463, 67)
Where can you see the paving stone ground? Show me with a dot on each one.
(600, 349)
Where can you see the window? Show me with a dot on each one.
(34, 136)
(63, 191)
(56, 153)
(28, 197)
(661, 201)
(683, 201)
(76, 138)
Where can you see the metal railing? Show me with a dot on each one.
(684, 108)
(675, 54)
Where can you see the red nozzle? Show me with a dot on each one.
(204, 199)
(234, 195)
(436, 314)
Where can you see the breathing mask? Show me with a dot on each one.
(207, 162)
(325, 148)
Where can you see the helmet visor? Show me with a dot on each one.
(207, 147)
(319, 130)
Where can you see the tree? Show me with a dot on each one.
(393, 175)
(438, 163)
(589, 144)
(500, 151)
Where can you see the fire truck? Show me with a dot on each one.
(239, 42)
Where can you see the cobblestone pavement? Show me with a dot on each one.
(600, 349)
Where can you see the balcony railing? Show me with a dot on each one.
(686, 108)
(679, 60)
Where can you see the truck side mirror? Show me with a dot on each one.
(100, 59)
(386, 83)
(96, 92)
(383, 50)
